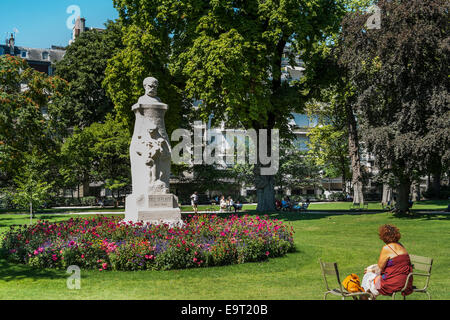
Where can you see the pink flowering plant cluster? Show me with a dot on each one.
(110, 244)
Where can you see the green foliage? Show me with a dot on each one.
(30, 190)
(84, 66)
(225, 54)
(400, 76)
(24, 95)
(297, 170)
(98, 153)
(329, 150)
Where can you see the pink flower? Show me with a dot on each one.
(54, 257)
(267, 253)
(104, 266)
(36, 252)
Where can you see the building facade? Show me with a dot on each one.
(41, 60)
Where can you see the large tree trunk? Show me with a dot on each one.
(436, 171)
(86, 189)
(265, 184)
(265, 191)
(387, 194)
(403, 192)
(415, 191)
(353, 148)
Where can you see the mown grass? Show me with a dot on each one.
(431, 205)
(350, 240)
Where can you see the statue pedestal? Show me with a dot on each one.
(154, 209)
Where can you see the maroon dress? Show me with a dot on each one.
(394, 277)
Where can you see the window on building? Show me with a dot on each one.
(301, 143)
(45, 55)
(23, 54)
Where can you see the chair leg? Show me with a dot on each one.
(393, 295)
(428, 294)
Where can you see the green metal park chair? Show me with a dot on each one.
(331, 269)
(423, 266)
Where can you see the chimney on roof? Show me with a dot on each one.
(11, 43)
(79, 28)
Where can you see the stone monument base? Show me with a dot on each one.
(154, 209)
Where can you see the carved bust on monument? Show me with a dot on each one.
(150, 156)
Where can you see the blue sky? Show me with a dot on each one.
(44, 23)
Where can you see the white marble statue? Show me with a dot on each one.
(150, 156)
(150, 149)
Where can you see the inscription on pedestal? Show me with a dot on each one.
(161, 201)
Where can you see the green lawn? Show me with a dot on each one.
(350, 240)
(431, 205)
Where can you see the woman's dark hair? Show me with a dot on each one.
(389, 233)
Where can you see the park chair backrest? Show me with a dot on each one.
(422, 267)
(422, 264)
(330, 269)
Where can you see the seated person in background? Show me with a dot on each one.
(393, 267)
(237, 206)
(223, 204)
(285, 205)
(231, 204)
(289, 202)
(278, 204)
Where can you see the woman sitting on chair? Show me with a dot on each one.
(393, 267)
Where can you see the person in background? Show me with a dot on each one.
(194, 201)
(230, 204)
(223, 204)
(238, 206)
(278, 204)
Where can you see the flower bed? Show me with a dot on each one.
(108, 244)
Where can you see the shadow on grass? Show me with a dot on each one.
(311, 215)
(423, 216)
(11, 272)
(285, 216)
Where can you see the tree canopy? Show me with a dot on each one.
(226, 54)
(84, 66)
(29, 104)
(400, 74)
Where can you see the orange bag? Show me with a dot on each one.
(352, 284)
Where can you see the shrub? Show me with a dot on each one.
(109, 244)
(338, 196)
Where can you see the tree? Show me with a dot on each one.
(29, 120)
(329, 149)
(400, 74)
(99, 152)
(84, 66)
(76, 159)
(30, 190)
(334, 98)
(296, 169)
(227, 54)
